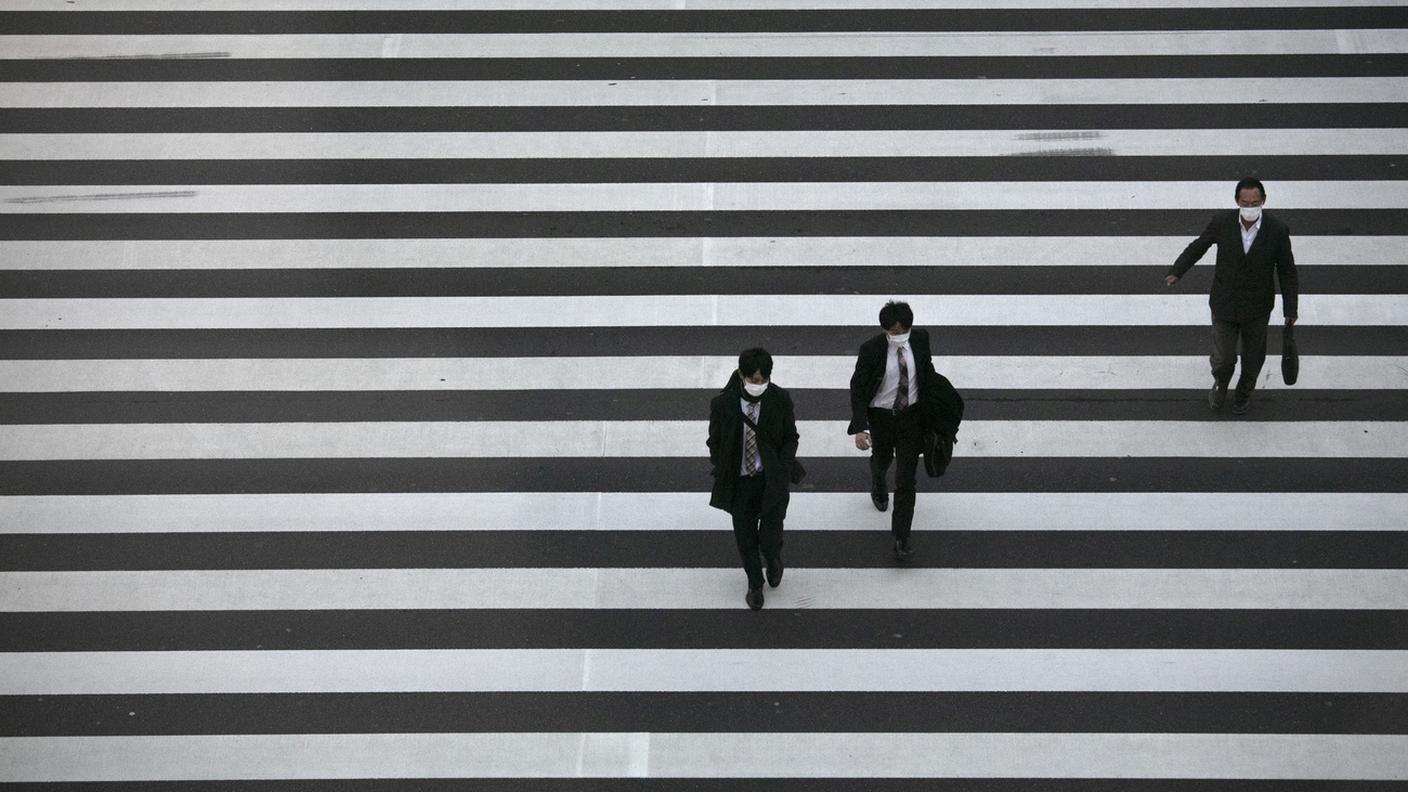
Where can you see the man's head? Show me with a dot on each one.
(1251, 194)
(896, 317)
(755, 365)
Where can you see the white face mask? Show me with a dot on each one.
(1251, 213)
(896, 340)
(755, 390)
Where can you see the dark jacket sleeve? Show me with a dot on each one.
(929, 370)
(715, 440)
(860, 397)
(1286, 274)
(1195, 249)
(790, 438)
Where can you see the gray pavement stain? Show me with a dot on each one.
(1079, 134)
(1072, 152)
(133, 196)
(156, 56)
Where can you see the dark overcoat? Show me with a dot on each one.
(777, 444)
(1244, 284)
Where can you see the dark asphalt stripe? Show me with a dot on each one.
(720, 785)
(1077, 160)
(704, 712)
(674, 224)
(1324, 115)
(576, 281)
(121, 407)
(628, 474)
(772, 628)
(212, 68)
(713, 21)
(803, 784)
(531, 342)
(480, 549)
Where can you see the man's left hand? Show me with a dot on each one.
(1290, 320)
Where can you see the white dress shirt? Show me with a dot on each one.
(1249, 234)
(890, 385)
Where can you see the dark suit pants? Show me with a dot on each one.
(1225, 338)
(898, 438)
(754, 530)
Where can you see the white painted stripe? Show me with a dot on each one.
(681, 511)
(655, 252)
(703, 670)
(713, 143)
(697, 755)
(568, 5)
(584, 373)
(675, 439)
(871, 44)
(705, 310)
(594, 588)
(702, 93)
(678, 196)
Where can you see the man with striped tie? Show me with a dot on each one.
(753, 445)
(892, 372)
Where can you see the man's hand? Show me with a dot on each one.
(1170, 280)
(863, 441)
(1290, 320)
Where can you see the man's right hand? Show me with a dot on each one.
(1170, 280)
(863, 441)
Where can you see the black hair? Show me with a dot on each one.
(755, 360)
(1249, 184)
(896, 312)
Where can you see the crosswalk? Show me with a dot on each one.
(355, 358)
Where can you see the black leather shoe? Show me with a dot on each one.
(881, 499)
(1217, 395)
(754, 598)
(774, 572)
(1241, 402)
(902, 549)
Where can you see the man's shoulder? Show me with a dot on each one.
(1274, 224)
(778, 393)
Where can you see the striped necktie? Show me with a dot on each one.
(750, 443)
(902, 396)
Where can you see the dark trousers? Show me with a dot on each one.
(898, 438)
(754, 530)
(1225, 338)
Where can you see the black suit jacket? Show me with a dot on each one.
(777, 444)
(1244, 287)
(870, 371)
